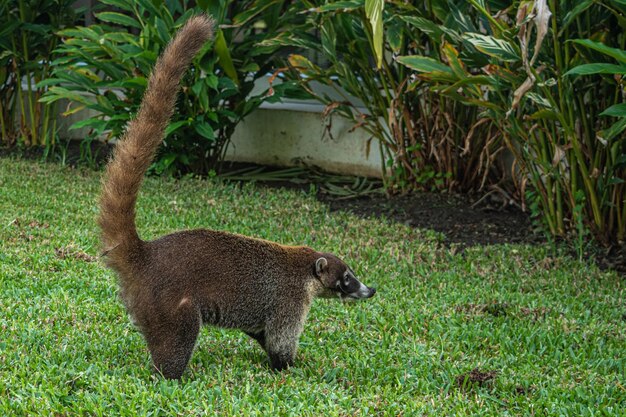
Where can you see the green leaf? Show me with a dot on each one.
(118, 18)
(300, 40)
(457, 18)
(574, 13)
(618, 54)
(56, 93)
(184, 17)
(544, 114)
(122, 4)
(197, 87)
(212, 81)
(151, 6)
(395, 35)
(78, 79)
(134, 82)
(344, 6)
(469, 81)
(10, 27)
(105, 104)
(205, 130)
(120, 37)
(71, 110)
(587, 69)
(423, 64)
(47, 82)
(162, 31)
(80, 32)
(614, 130)
(223, 52)
(329, 40)
(497, 48)
(617, 110)
(303, 65)
(175, 126)
(539, 100)
(424, 25)
(250, 13)
(452, 57)
(374, 12)
(166, 161)
(38, 29)
(249, 67)
(93, 122)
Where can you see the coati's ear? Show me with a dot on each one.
(321, 266)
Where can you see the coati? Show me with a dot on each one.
(173, 285)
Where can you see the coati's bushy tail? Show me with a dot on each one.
(134, 152)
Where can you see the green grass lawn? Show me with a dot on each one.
(546, 333)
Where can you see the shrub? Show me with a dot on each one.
(27, 40)
(428, 140)
(551, 112)
(104, 67)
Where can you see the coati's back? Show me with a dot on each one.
(233, 280)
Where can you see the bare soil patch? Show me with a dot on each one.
(73, 253)
(477, 377)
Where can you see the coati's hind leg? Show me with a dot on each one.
(259, 337)
(171, 339)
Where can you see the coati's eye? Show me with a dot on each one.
(349, 284)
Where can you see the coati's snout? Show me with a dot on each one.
(351, 288)
(339, 280)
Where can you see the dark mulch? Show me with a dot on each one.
(613, 257)
(461, 219)
(466, 221)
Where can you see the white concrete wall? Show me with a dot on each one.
(289, 138)
(285, 135)
(293, 132)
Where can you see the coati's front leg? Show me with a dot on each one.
(282, 345)
(171, 339)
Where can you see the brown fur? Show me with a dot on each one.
(173, 285)
(134, 153)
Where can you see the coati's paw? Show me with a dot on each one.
(280, 361)
(171, 370)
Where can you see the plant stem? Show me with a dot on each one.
(3, 127)
(31, 106)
